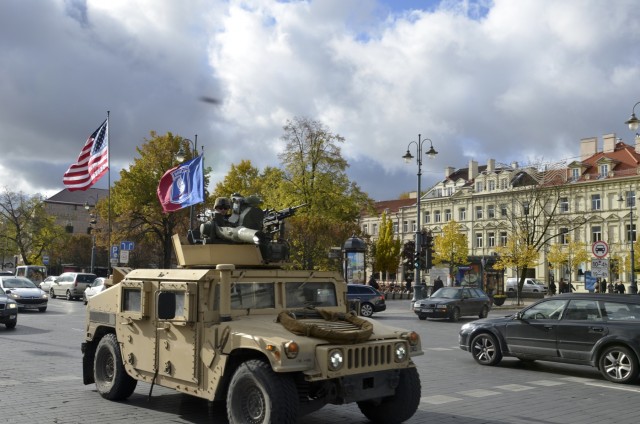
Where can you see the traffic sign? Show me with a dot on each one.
(45, 260)
(600, 268)
(114, 252)
(124, 256)
(600, 249)
(126, 245)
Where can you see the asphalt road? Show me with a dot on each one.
(41, 382)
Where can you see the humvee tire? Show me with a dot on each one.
(257, 394)
(399, 407)
(112, 381)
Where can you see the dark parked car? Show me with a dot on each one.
(8, 310)
(371, 300)
(24, 292)
(600, 330)
(453, 303)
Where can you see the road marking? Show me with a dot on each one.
(612, 386)
(438, 399)
(61, 378)
(514, 387)
(4, 383)
(578, 379)
(439, 349)
(547, 383)
(478, 393)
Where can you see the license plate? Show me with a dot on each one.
(427, 309)
(31, 306)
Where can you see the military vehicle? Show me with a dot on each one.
(231, 324)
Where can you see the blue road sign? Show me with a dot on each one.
(114, 252)
(126, 245)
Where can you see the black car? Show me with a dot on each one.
(453, 303)
(600, 330)
(371, 300)
(8, 310)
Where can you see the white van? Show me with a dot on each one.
(530, 286)
(35, 273)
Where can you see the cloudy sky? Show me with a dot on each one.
(512, 80)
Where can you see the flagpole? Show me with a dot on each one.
(109, 201)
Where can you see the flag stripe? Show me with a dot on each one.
(92, 163)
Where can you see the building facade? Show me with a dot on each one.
(587, 200)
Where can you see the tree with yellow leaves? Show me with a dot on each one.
(517, 253)
(571, 254)
(387, 248)
(450, 247)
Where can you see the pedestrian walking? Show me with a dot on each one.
(620, 288)
(603, 285)
(373, 283)
(610, 288)
(552, 288)
(437, 284)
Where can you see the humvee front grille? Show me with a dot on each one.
(357, 357)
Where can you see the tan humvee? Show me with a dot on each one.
(229, 325)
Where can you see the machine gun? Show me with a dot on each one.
(273, 221)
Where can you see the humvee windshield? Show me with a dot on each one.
(310, 294)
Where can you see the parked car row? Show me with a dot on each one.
(70, 285)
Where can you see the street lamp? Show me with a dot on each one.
(180, 157)
(633, 289)
(431, 153)
(93, 221)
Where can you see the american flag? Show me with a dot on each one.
(92, 163)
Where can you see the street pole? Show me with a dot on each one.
(633, 289)
(418, 239)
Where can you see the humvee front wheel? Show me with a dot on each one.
(112, 381)
(399, 407)
(258, 395)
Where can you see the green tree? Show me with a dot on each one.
(387, 248)
(450, 247)
(136, 211)
(246, 180)
(27, 227)
(315, 174)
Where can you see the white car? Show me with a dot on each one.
(71, 285)
(531, 285)
(96, 287)
(46, 284)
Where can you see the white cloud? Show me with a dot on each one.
(509, 80)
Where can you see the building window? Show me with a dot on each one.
(491, 211)
(436, 216)
(438, 192)
(405, 227)
(631, 233)
(564, 204)
(479, 240)
(462, 214)
(365, 229)
(414, 227)
(491, 239)
(575, 173)
(449, 191)
(374, 229)
(395, 228)
(478, 212)
(503, 238)
(631, 199)
(427, 217)
(503, 211)
(564, 236)
(503, 184)
(492, 185)
(596, 233)
(447, 215)
(479, 186)
(604, 170)
(595, 202)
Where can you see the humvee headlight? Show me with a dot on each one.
(291, 349)
(400, 352)
(412, 337)
(336, 359)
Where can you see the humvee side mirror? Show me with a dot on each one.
(166, 305)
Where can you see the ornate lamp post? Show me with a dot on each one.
(633, 288)
(431, 153)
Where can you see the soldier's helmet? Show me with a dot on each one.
(222, 203)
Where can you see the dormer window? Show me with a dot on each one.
(604, 170)
(575, 173)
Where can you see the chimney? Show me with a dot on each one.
(588, 147)
(491, 165)
(514, 165)
(473, 169)
(448, 171)
(609, 143)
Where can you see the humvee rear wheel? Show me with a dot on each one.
(399, 407)
(259, 395)
(112, 381)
